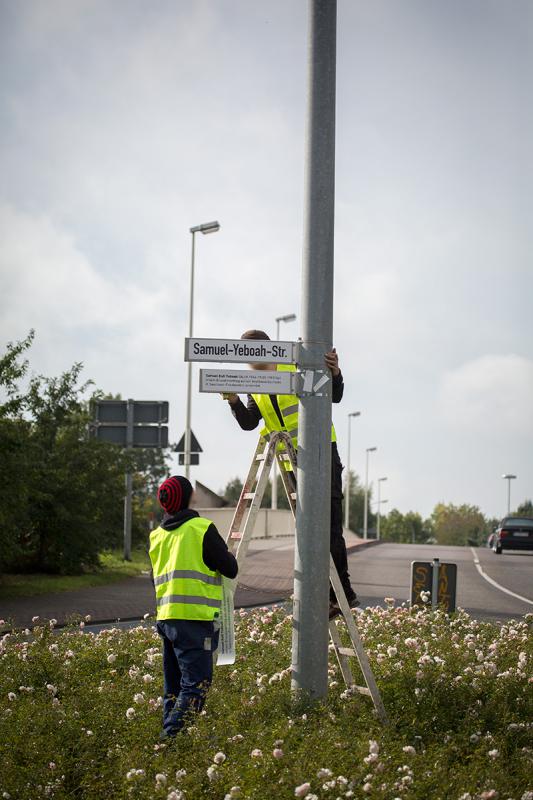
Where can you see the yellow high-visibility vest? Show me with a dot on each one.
(185, 588)
(288, 406)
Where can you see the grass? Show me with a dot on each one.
(114, 568)
(458, 694)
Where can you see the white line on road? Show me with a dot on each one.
(497, 585)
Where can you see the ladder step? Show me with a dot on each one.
(235, 535)
(260, 457)
(362, 690)
(346, 651)
(248, 496)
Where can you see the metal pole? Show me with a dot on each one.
(347, 487)
(129, 483)
(508, 496)
(311, 556)
(274, 495)
(347, 482)
(365, 518)
(435, 583)
(187, 454)
(379, 509)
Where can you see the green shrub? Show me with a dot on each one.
(458, 694)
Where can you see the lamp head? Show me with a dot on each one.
(206, 227)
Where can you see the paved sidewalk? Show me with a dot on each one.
(266, 577)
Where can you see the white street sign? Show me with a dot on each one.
(240, 381)
(241, 351)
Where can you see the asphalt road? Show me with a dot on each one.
(385, 571)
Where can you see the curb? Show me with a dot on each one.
(355, 547)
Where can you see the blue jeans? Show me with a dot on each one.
(188, 647)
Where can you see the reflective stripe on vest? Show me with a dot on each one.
(185, 587)
(288, 406)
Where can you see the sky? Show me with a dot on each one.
(124, 124)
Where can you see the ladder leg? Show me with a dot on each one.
(357, 644)
(344, 664)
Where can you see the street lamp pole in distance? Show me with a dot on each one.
(206, 227)
(347, 485)
(365, 521)
(508, 477)
(380, 501)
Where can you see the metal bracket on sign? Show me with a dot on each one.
(311, 381)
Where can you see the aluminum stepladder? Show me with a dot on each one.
(279, 446)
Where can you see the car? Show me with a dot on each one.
(513, 533)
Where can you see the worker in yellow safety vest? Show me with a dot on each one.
(280, 413)
(188, 558)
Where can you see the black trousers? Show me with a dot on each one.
(337, 545)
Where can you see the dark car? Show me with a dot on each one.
(513, 533)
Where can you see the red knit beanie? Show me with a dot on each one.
(174, 494)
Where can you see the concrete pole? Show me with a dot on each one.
(129, 484)
(187, 447)
(311, 557)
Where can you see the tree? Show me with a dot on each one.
(458, 525)
(398, 527)
(61, 492)
(232, 492)
(357, 505)
(525, 509)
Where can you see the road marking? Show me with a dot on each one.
(497, 585)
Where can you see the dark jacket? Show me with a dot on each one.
(248, 415)
(215, 551)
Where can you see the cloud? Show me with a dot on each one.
(490, 395)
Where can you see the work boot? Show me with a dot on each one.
(334, 610)
(353, 602)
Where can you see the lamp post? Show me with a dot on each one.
(380, 501)
(347, 485)
(206, 227)
(274, 504)
(508, 477)
(365, 522)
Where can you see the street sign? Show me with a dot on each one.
(144, 411)
(150, 412)
(241, 351)
(111, 411)
(195, 445)
(143, 435)
(194, 459)
(234, 381)
(422, 581)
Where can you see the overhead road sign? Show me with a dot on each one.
(241, 351)
(146, 412)
(235, 381)
(143, 435)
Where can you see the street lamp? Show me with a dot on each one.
(274, 503)
(508, 477)
(347, 485)
(206, 227)
(380, 501)
(365, 523)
